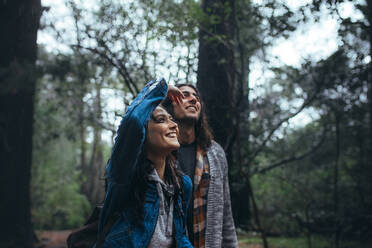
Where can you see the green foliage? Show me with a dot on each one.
(300, 196)
(327, 191)
(56, 199)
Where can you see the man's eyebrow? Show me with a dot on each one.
(189, 92)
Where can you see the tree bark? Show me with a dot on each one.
(216, 67)
(19, 22)
(369, 82)
(241, 206)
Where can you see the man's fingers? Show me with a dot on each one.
(175, 94)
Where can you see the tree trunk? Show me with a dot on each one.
(19, 22)
(308, 231)
(256, 214)
(241, 206)
(96, 165)
(83, 147)
(216, 68)
(335, 183)
(369, 82)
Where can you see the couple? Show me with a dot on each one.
(148, 176)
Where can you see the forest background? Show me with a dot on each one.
(298, 136)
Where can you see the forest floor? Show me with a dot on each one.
(247, 241)
(53, 239)
(57, 239)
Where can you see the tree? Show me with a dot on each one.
(19, 22)
(216, 66)
(326, 191)
(356, 35)
(56, 185)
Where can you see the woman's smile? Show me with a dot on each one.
(162, 132)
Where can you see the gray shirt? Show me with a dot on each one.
(186, 158)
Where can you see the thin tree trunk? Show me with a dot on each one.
(96, 165)
(256, 214)
(83, 163)
(308, 233)
(19, 22)
(369, 85)
(242, 106)
(369, 17)
(81, 76)
(335, 183)
(100, 185)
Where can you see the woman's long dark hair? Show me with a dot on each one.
(172, 175)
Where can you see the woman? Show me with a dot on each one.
(144, 189)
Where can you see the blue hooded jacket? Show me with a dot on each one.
(121, 168)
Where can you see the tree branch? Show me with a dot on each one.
(112, 62)
(293, 158)
(280, 123)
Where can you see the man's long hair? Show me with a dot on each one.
(203, 132)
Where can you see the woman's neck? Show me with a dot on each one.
(158, 162)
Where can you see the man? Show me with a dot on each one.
(210, 223)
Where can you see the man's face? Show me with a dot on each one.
(189, 109)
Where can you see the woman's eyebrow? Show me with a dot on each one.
(159, 115)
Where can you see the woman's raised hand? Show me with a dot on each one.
(175, 94)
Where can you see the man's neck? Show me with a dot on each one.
(187, 133)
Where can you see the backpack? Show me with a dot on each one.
(86, 236)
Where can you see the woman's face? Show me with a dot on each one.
(162, 132)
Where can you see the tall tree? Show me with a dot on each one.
(216, 67)
(19, 22)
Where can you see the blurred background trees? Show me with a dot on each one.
(297, 137)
